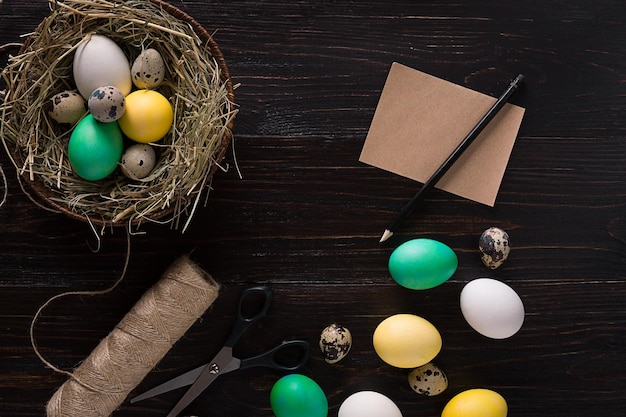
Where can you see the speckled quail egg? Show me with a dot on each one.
(107, 104)
(148, 70)
(428, 380)
(138, 161)
(66, 107)
(335, 343)
(494, 247)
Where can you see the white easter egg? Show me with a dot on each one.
(98, 61)
(492, 308)
(368, 404)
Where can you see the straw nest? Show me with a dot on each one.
(198, 86)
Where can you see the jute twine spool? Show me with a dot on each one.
(135, 346)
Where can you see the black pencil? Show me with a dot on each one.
(440, 172)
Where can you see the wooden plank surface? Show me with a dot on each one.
(306, 216)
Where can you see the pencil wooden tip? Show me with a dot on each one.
(386, 235)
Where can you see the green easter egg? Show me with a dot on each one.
(420, 264)
(297, 395)
(95, 148)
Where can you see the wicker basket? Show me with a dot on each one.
(192, 150)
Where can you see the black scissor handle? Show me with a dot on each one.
(271, 358)
(244, 320)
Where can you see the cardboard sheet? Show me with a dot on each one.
(420, 120)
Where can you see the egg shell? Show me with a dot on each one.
(406, 341)
(297, 395)
(477, 402)
(66, 107)
(420, 264)
(138, 161)
(335, 343)
(494, 246)
(368, 404)
(94, 148)
(106, 104)
(99, 61)
(148, 116)
(492, 308)
(428, 380)
(148, 69)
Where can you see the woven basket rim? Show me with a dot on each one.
(44, 192)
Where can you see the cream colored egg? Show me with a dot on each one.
(99, 61)
(66, 107)
(148, 69)
(106, 104)
(428, 380)
(138, 161)
(406, 341)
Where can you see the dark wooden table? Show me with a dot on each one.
(306, 216)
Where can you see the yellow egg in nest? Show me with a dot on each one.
(148, 116)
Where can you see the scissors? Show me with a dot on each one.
(224, 362)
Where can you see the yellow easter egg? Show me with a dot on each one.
(406, 341)
(148, 116)
(476, 402)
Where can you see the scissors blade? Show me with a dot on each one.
(183, 380)
(180, 381)
(223, 362)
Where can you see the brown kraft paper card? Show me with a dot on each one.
(420, 120)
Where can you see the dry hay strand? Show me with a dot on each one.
(198, 86)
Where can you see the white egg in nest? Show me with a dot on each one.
(99, 61)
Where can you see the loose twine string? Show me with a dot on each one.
(135, 346)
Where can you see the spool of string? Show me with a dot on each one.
(135, 346)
